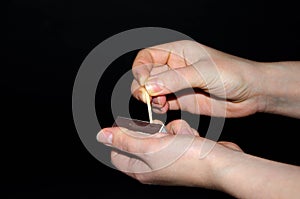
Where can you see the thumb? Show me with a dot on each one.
(123, 139)
(174, 80)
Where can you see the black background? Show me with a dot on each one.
(41, 153)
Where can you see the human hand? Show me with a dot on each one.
(167, 158)
(226, 85)
(182, 157)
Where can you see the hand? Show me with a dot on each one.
(166, 158)
(181, 157)
(225, 85)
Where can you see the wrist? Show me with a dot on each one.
(280, 88)
(222, 161)
(226, 166)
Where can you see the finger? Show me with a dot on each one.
(158, 122)
(199, 104)
(137, 91)
(145, 61)
(161, 110)
(180, 127)
(159, 134)
(159, 101)
(169, 53)
(230, 145)
(133, 142)
(160, 104)
(136, 88)
(174, 80)
(123, 139)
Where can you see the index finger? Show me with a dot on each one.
(144, 62)
(170, 54)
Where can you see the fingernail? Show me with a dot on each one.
(105, 137)
(154, 85)
(156, 100)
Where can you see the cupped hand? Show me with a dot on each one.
(173, 158)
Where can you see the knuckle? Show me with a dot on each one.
(134, 86)
(179, 122)
(142, 55)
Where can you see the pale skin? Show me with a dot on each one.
(228, 86)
